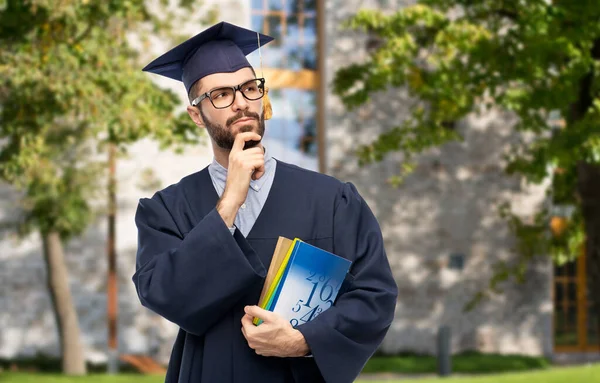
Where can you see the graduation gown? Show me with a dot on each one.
(192, 271)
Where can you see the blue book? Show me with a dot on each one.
(309, 285)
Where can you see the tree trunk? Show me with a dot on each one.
(73, 360)
(589, 191)
(112, 286)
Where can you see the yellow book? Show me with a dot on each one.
(281, 249)
(281, 256)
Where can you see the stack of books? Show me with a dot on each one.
(302, 281)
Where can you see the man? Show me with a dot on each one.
(205, 243)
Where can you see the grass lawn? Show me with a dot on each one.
(464, 363)
(583, 374)
(406, 363)
(9, 377)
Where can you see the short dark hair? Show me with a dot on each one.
(195, 88)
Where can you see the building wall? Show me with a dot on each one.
(448, 206)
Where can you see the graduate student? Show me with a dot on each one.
(205, 243)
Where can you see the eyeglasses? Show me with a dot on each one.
(223, 97)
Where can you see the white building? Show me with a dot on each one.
(441, 228)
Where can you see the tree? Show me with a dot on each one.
(71, 89)
(535, 58)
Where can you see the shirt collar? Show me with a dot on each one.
(220, 172)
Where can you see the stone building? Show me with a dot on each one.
(441, 228)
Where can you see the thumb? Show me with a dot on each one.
(259, 313)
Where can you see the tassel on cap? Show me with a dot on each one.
(267, 108)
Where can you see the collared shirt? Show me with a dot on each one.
(255, 200)
(257, 193)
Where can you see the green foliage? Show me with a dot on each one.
(538, 59)
(465, 362)
(90, 378)
(43, 363)
(70, 83)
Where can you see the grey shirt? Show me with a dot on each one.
(257, 193)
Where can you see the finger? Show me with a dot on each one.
(247, 136)
(264, 315)
(256, 165)
(247, 163)
(258, 173)
(241, 139)
(255, 151)
(250, 164)
(251, 167)
(253, 157)
(247, 321)
(245, 157)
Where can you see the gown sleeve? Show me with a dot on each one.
(345, 336)
(191, 280)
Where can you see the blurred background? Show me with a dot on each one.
(470, 128)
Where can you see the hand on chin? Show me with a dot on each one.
(251, 143)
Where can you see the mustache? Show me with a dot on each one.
(240, 115)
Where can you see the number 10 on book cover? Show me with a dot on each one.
(306, 284)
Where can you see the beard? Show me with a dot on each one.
(223, 136)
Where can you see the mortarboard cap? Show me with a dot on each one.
(221, 48)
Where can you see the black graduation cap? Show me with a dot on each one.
(221, 48)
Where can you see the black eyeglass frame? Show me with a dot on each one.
(235, 89)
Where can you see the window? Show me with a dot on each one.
(575, 322)
(290, 67)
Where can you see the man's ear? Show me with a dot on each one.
(195, 115)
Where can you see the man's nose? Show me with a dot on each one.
(240, 102)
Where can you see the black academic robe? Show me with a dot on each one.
(193, 272)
